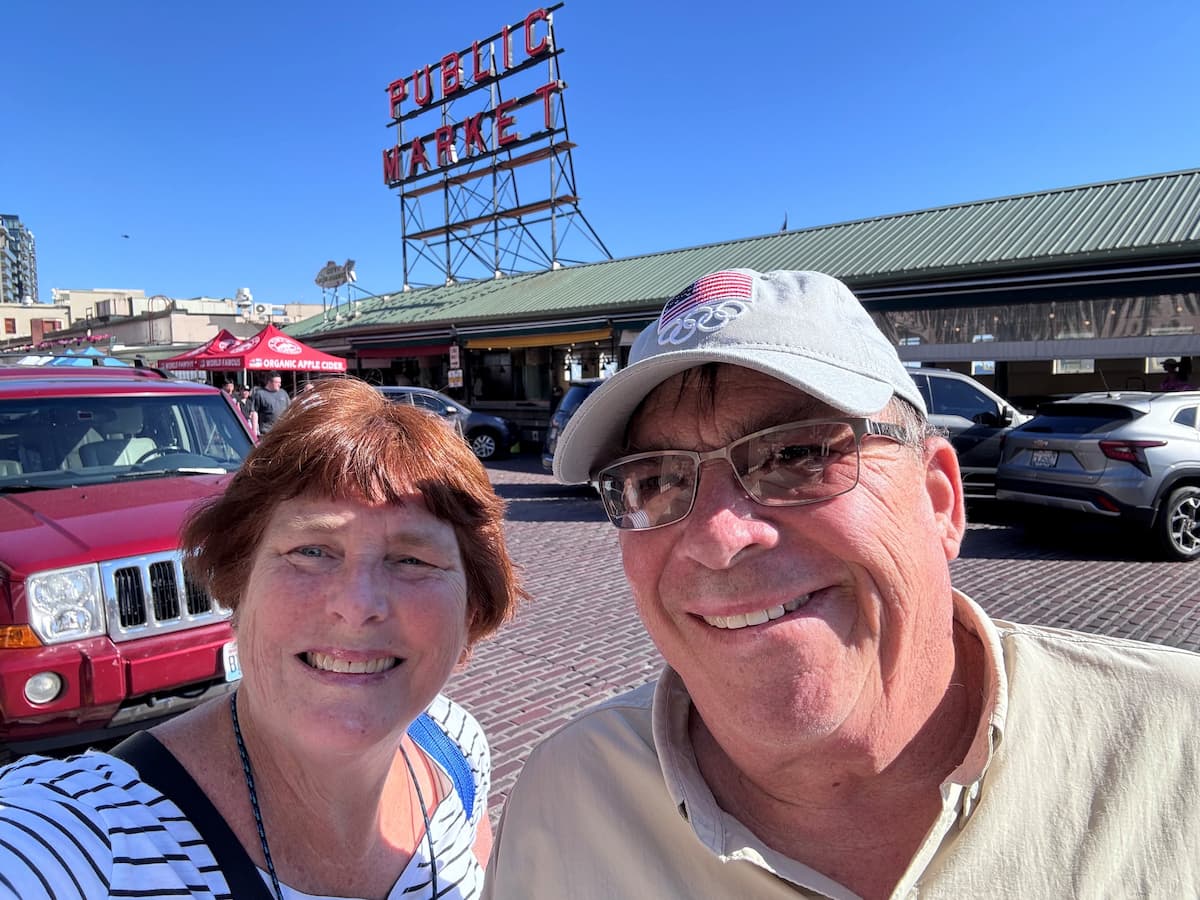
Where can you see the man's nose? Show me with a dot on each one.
(725, 523)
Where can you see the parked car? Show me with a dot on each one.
(976, 420)
(576, 393)
(101, 629)
(490, 437)
(1132, 455)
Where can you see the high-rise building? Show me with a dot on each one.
(18, 262)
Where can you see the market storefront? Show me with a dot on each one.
(521, 375)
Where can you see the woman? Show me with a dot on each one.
(360, 547)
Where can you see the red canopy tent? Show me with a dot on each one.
(189, 359)
(269, 350)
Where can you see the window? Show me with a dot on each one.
(983, 366)
(1074, 367)
(1186, 417)
(10, 326)
(957, 398)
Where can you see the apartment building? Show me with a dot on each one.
(18, 261)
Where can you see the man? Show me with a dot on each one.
(834, 719)
(268, 403)
(1174, 379)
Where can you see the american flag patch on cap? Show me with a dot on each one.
(717, 286)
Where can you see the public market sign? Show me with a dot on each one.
(491, 130)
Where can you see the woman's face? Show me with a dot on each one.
(353, 618)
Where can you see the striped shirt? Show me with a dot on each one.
(88, 827)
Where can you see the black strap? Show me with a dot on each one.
(162, 771)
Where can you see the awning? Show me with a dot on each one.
(402, 352)
(268, 350)
(515, 341)
(1158, 345)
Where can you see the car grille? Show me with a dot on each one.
(152, 594)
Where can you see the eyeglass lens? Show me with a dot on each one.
(782, 466)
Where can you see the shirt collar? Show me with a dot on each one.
(729, 839)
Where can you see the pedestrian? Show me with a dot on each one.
(242, 397)
(834, 719)
(1174, 379)
(268, 402)
(361, 549)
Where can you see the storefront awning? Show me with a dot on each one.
(515, 341)
(1067, 348)
(402, 352)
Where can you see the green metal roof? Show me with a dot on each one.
(1115, 221)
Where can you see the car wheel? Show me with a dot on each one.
(485, 445)
(1179, 524)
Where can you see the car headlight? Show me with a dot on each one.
(66, 604)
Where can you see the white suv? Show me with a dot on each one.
(976, 421)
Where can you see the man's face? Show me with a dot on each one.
(868, 569)
(274, 383)
(227, 388)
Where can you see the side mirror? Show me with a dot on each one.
(1006, 416)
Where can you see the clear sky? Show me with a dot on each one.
(237, 143)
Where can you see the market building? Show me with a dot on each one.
(1036, 295)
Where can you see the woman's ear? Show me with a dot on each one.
(943, 484)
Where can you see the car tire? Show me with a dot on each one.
(1178, 524)
(485, 444)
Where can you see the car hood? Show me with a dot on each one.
(51, 529)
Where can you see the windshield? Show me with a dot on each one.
(60, 441)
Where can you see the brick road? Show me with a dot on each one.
(579, 641)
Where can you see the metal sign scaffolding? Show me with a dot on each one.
(475, 203)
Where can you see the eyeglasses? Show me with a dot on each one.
(785, 465)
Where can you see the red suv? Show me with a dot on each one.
(100, 629)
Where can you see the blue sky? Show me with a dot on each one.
(238, 143)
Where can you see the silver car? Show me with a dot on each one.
(1130, 454)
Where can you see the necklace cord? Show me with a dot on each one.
(248, 772)
(249, 775)
(425, 818)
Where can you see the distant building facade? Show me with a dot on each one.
(18, 261)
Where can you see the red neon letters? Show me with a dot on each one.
(436, 85)
(451, 80)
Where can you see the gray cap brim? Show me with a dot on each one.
(595, 433)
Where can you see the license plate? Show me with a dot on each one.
(229, 659)
(1044, 459)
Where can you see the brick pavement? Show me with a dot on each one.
(579, 641)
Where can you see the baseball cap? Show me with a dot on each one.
(805, 328)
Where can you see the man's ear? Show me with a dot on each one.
(943, 484)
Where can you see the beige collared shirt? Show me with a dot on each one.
(1083, 780)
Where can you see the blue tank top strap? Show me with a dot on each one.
(430, 738)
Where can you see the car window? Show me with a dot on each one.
(922, 384)
(91, 440)
(1186, 417)
(1078, 418)
(952, 397)
(425, 401)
